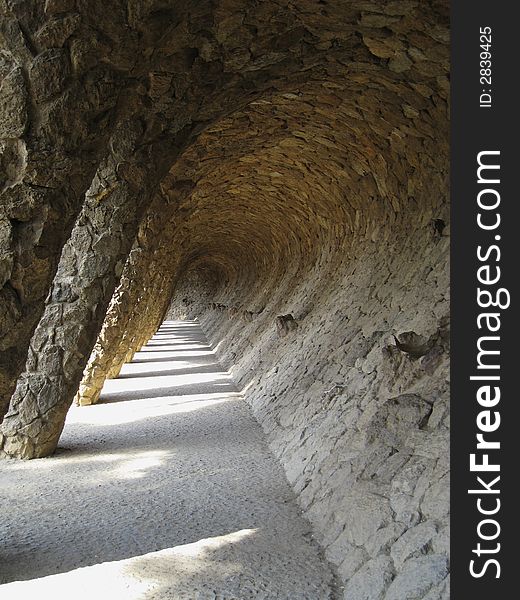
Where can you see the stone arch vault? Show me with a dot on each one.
(277, 170)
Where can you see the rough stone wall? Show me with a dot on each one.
(316, 247)
(356, 406)
(304, 221)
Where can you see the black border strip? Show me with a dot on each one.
(475, 129)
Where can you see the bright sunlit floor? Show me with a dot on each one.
(166, 489)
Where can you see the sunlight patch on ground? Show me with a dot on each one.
(137, 467)
(158, 366)
(169, 354)
(152, 348)
(133, 461)
(50, 462)
(127, 384)
(130, 411)
(132, 578)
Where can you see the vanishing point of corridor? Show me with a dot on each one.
(166, 489)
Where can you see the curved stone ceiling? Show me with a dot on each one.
(279, 171)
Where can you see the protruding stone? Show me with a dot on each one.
(48, 73)
(417, 576)
(285, 324)
(54, 33)
(411, 542)
(371, 581)
(13, 100)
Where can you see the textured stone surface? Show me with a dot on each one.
(89, 270)
(13, 99)
(371, 581)
(301, 215)
(418, 576)
(55, 121)
(341, 232)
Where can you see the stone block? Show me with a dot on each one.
(413, 541)
(417, 576)
(371, 581)
(48, 73)
(13, 101)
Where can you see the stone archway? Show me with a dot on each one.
(278, 171)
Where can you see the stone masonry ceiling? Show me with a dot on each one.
(278, 171)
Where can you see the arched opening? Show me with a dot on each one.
(276, 175)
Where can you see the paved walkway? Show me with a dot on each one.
(164, 490)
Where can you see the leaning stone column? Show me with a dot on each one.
(56, 108)
(57, 100)
(136, 330)
(90, 267)
(141, 302)
(148, 313)
(129, 293)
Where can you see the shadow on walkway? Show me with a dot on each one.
(161, 491)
